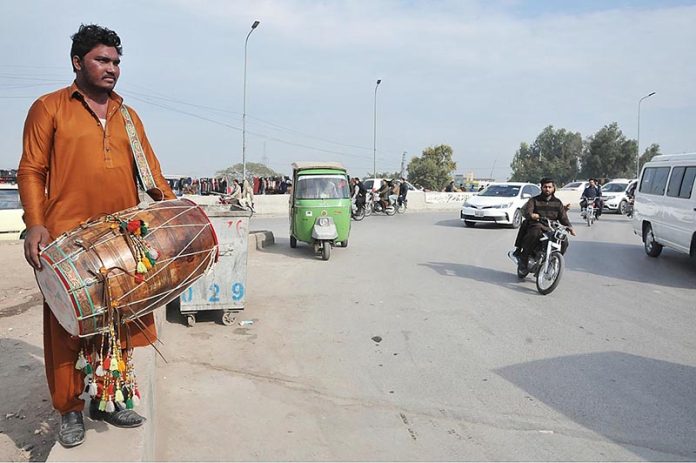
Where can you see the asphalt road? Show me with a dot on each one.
(417, 342)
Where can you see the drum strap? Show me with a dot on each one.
(146, 181)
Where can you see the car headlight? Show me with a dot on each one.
(323, 221)
(466, 204)
(502, 206)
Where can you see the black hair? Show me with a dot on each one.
(91, 35)
(545, 180)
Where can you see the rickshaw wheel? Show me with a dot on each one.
(344, 243)
(293, 242)
(325, 250)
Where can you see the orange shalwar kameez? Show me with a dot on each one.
(73, 169)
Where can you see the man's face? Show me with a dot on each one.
(99, 68)
(548, 188)
(592, 183)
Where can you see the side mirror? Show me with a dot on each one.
(526, 195)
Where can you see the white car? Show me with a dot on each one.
(575, 186)
(614, 195)
(11, 223)
(499, 203)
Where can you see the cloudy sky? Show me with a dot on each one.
(480, 76)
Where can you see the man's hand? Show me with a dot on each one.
(36, 239)
(535, 216)
(571, 231)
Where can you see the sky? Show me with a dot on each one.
(480, 76)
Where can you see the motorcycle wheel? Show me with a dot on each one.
(547, 281)
(390, 210)
(325, 250)
(359, 214)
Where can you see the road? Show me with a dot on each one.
(418, 342)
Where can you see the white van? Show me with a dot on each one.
(665, 204)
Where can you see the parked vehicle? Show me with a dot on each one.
(575, 186)
(614, 195)
(11, 224)
(546, 261)
(320, 206)
(499, 203)
(664, 212)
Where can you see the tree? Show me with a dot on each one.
(433, 169)
(652, 151)
(609, 154)
(253, 169)
(554, 153)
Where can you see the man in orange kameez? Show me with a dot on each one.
(77, 164)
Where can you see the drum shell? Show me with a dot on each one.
(179, 231)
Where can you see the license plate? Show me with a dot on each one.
(478, 213)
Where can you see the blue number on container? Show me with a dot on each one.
(215, 288)
(237, 291)
(187, 296)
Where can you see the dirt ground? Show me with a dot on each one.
(28, 423)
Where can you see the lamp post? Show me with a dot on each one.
(374, 135)
(638, 141)
(253, 26)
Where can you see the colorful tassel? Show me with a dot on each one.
(119, 396)
(153, 254)
(129, 404)
(141, 267)
(88, 369)
(146, 262)
(100, 371)
(92, 390)
(136, 401)
(102, 405)
(139, 278)
(110, 407)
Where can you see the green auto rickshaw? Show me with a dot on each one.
(320, 206)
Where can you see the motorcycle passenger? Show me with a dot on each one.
(593, 190)
(395, 191)
(402, 192)
(542, 206)
(383, 193)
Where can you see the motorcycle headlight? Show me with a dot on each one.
(323, 221)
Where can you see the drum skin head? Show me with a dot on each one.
(55, 291)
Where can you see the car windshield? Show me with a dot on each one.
(503, 191)
(9, 199)
(573, 185)
(322, 187)
(614, 187)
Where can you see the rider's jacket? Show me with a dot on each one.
(548, 208)
(592, 192)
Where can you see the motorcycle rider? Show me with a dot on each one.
(359, 193)
(403, 192)
(593, 190)
(542, 206)
(383, 193)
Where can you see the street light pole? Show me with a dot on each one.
(638, 141)
(253, 26)
(374, 135)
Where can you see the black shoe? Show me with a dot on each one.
(517, 253)
(121, 418)
(522, 264)
(72, 429)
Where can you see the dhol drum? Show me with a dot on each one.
(132, 261)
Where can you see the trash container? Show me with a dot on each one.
(224, 288)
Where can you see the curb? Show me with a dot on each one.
(260, 239)
(104, 442)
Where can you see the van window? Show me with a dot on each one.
(675, 181)
(654, 180)
(688, 183)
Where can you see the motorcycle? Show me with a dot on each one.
(358, 211)
(546, 262)
(589, 213)
(377, 206)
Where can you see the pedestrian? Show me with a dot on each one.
(77, 164)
